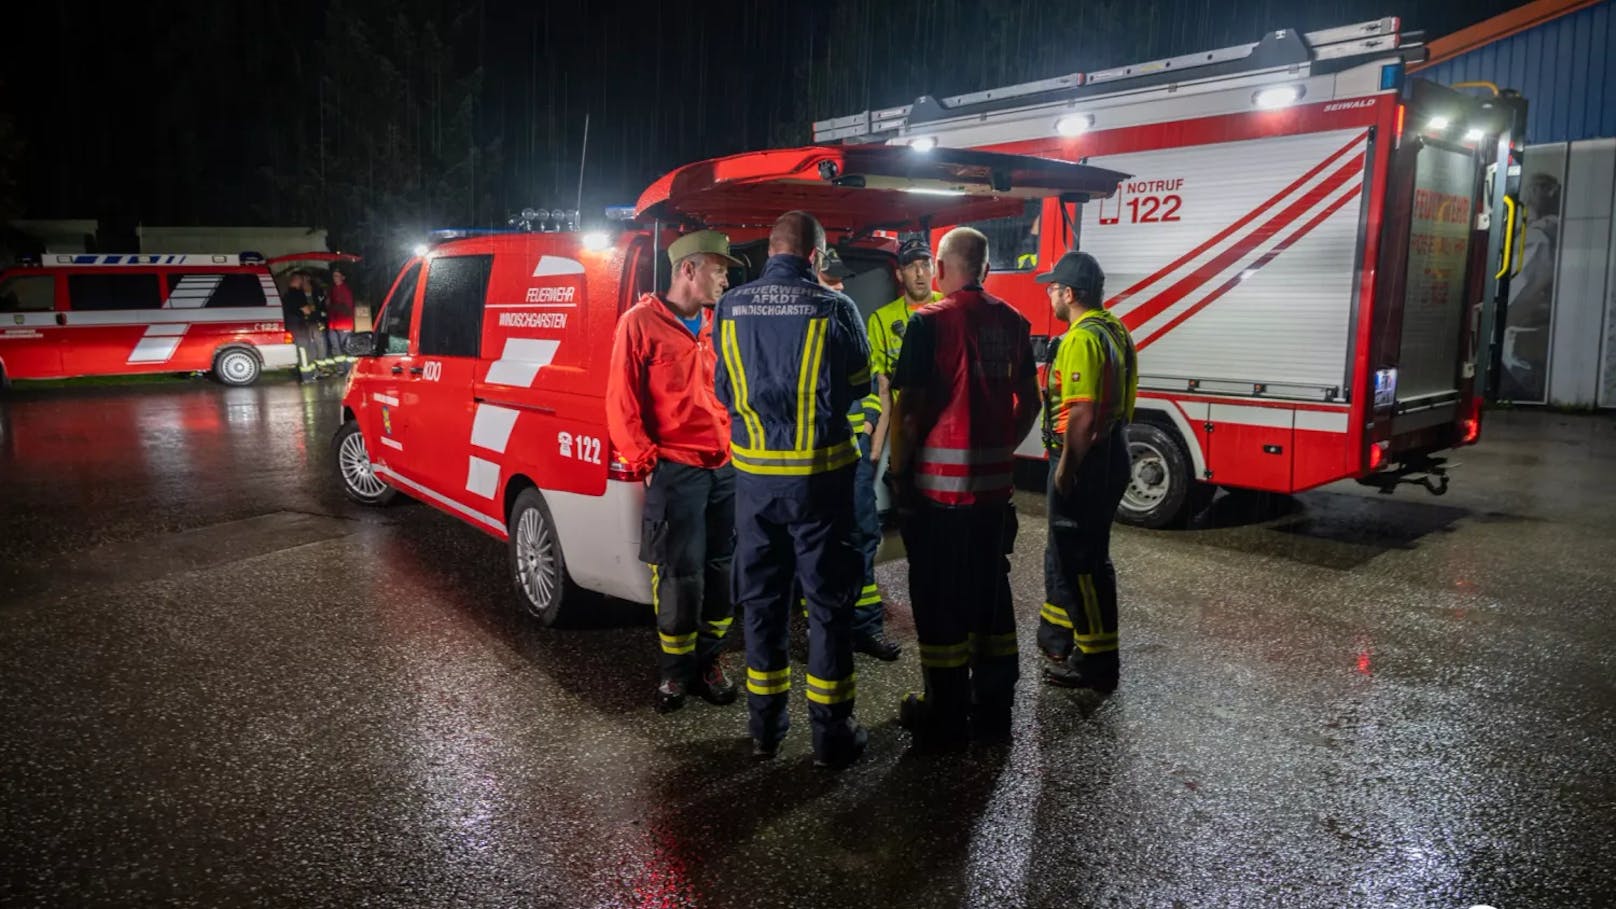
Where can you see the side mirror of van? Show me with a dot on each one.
(360, 344)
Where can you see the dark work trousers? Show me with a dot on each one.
(867, 609)
(688, 538)
(1080, 584)
(959, 588)
(306, 353)
(797, 529)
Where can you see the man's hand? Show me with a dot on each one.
(1065, 478)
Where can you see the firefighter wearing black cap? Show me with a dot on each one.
(869, 612)
(793, 362)
(1092, 382)
(968, 394)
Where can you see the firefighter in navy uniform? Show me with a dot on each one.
(793, 361)
(869, 611)
(968, 394)
(663, 414)
(1093, 379)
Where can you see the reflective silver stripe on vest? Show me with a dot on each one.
(938, 483)
(937, 455)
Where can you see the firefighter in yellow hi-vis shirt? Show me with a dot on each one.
(1089, 401)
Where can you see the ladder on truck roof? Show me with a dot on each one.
(1283, 51)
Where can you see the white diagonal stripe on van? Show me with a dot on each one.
(494, 523)
(491, 427)
(193, 291)
(154, 350)
(393, 443)
(550, 266)
(520, 361)
(158, 331)
(482, 477)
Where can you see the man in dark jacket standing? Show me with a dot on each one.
(295, 309)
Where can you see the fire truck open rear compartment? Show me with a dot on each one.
(1301, 252)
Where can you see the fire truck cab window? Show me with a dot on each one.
(452, 307)
(1013, 241)
(33, 293)
(393, 330)
(102, 292)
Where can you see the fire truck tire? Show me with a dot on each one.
(236, 366)
(538, 570)
(1161, 489)
(358, 479)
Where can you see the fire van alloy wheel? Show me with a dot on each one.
(359, 480)
(1161, 492)
(537, 567)
(236, 367)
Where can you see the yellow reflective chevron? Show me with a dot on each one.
(1091, 603)
(824, 691)
(719, 627)
(768, 681)
(813, 351)
(945, 656)
(869, 596)
(1055, 615)
(737, 374)
(678, 644)
(795, 463)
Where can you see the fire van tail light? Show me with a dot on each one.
(619, 470)
(288, 337)
(1377, 455)
(1470, 431)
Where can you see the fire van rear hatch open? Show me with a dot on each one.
(856, 188)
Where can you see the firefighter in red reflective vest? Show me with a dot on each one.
(969, 394)
(1093, 378)
(663, 413)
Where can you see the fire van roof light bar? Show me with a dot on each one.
(1374, 36)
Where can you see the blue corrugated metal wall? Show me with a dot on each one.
(1563, 67)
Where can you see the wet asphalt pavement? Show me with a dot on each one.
(222, 684)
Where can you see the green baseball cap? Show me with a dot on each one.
(702, 241)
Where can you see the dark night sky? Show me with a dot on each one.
(437, 112)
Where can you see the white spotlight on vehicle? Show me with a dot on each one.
(1437, 124)
(1276, 96)
(1474, 134)
(924, 144)
(596, 240)
(1074, 124)
(421, 249)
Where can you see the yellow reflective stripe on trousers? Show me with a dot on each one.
(813, 350)
(737, 377)
(1096, 643)
(768, 681)
(945, 656)
(1055, 615)
(720, 627)
(988, 646)
(869, 596)
(1091, 603)
(656, 600)
(824, 691)
(678, 644)
(794, 463)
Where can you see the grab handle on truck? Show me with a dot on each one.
(1509, 238)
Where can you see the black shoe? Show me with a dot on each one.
(929, 734)
(670, 696)
(1052, 656)
(878, 646)
(844, 751)
(1073, 674)
(764, 751)
(714, 686)
(990, 727)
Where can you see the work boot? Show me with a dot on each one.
(990, 725)
(1076, 672)
(843, 750)
(670, 696)
(928, 732)
(764, 751)
(714, 686)
(878, 646)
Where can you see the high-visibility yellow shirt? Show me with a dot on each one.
(1094, 362)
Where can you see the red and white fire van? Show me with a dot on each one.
(482, 389)
(1303, 252)
(113, 314)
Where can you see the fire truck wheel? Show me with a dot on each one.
(359, 480)
(537, 567)
(1160, 492)
(236, 366)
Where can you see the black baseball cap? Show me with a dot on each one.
(913, 250)
(834, 267)
(1077, 270)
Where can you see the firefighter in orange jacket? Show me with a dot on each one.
(663, 414)
(969, 396)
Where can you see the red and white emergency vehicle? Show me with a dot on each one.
(482, 389)
(1302, 253)
(113, 314)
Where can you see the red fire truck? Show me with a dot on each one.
(481, 391)
(1302, 253)
(112, 314)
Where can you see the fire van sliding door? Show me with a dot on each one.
(450, 337)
